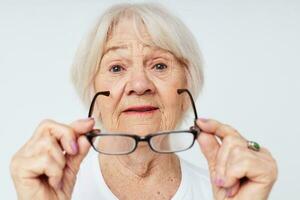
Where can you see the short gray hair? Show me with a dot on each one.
(166, 31)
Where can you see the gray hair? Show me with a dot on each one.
(166, 31)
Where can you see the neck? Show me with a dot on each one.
(142, 166)
(136, 172)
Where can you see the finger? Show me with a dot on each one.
(73, 163)
(228, 144)
(209, 147)
(241, 163)
(61, 132)
(83, 125)
(75, 160)
(215, 127)
(65, 134)
(232, 191)
(251, 169)
(47, 145)
(57, 154)
(36, 166)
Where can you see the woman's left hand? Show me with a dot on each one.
(237, 172)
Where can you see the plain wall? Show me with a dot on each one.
(251, 51)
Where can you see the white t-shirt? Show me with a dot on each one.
(195, 184)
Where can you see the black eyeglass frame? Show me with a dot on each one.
(195, 130)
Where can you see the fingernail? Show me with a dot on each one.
(219, 182)
(228, 192)
(74, 147)
(203, 119)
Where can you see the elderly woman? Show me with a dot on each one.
(138, 70)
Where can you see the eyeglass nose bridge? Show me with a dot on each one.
(142, 138)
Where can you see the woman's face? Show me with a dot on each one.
(143, 82)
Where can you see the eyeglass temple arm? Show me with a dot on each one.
(105, 93)
(195, 127)
(180, 91)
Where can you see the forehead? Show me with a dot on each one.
(127, 34)
(132, 47)
(127, 29)
(131, 37)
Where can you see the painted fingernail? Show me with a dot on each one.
(228, 192)
(219, 182)
(203, 119)
(74, 147)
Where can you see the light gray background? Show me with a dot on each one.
(251, 49)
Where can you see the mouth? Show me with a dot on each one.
(141, 110)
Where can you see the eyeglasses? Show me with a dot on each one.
(160, 142)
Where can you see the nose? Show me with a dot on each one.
(139, 84)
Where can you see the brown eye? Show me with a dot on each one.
(116, 68)
(160, 67)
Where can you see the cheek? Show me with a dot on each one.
(104, 82)
(171, 100)
(108, 105)
(116, 87)
(168, 87)
(171, 112)
(175, 80)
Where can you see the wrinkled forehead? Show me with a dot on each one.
(129, 36)
(128, 33)
(128, 27)
(132, 47)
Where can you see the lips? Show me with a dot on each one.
(141, 109)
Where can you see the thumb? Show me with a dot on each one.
(80, 127)
(74, 161)
(73, 165)
(209, 146)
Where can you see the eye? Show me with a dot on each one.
(160, 66)
(116, 68)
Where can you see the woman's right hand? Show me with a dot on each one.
(47, 165)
